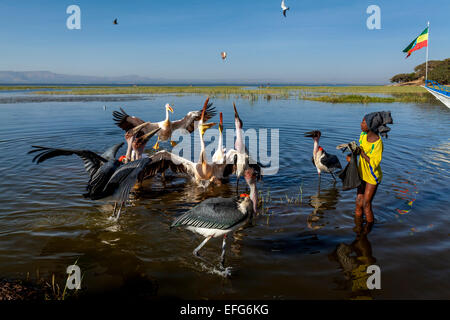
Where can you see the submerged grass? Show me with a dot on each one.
(38, 289)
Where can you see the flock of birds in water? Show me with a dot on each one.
(113, 178)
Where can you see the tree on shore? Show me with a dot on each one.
(437, 70)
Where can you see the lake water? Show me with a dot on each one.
(290, 250)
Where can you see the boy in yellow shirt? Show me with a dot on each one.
(371, 147)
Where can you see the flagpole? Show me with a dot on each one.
(426, 61)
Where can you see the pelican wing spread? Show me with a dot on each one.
(189, 120)
(213, 213)
(163, 160)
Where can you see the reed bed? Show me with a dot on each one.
(329, 94)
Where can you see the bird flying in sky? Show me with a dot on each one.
(224, 55)
(115, 21)
(284, 8)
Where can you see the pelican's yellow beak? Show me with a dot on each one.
(206, 126)
(221, 123)
(170, 108)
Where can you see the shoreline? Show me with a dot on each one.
(327, 94)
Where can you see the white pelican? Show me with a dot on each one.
(202, 172)
(124, 121)
(219, 155)
(244, 160)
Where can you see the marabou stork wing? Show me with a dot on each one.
(330, 161)
(189, 120)
(163, 160)
(213, 213)
(100, 179)
(110, 153)
(92, 161)
(124, 178)
(229, 169)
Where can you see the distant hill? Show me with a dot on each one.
(437, 70)
(47, 77)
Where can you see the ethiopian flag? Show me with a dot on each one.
(418, 43)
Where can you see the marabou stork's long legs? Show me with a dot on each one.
(114, 216)
(197, 254)
(332, 174)
(222, 256)
(196, 250)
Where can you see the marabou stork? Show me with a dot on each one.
(323, 161)
(109, 178)
(126, 122)
(216, 217)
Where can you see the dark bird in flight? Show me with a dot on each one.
(115, 21)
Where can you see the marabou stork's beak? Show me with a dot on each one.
(136, 129)
(312, 134)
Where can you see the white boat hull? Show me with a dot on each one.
(441, 97)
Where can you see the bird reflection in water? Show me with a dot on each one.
(322, 201)
(354, 260)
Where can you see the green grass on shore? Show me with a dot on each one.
(356, 98)
(228, 90)
(341, 94)
(351, 98)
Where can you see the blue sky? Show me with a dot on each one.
(322, 41)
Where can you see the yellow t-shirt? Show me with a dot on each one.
(370, 172)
